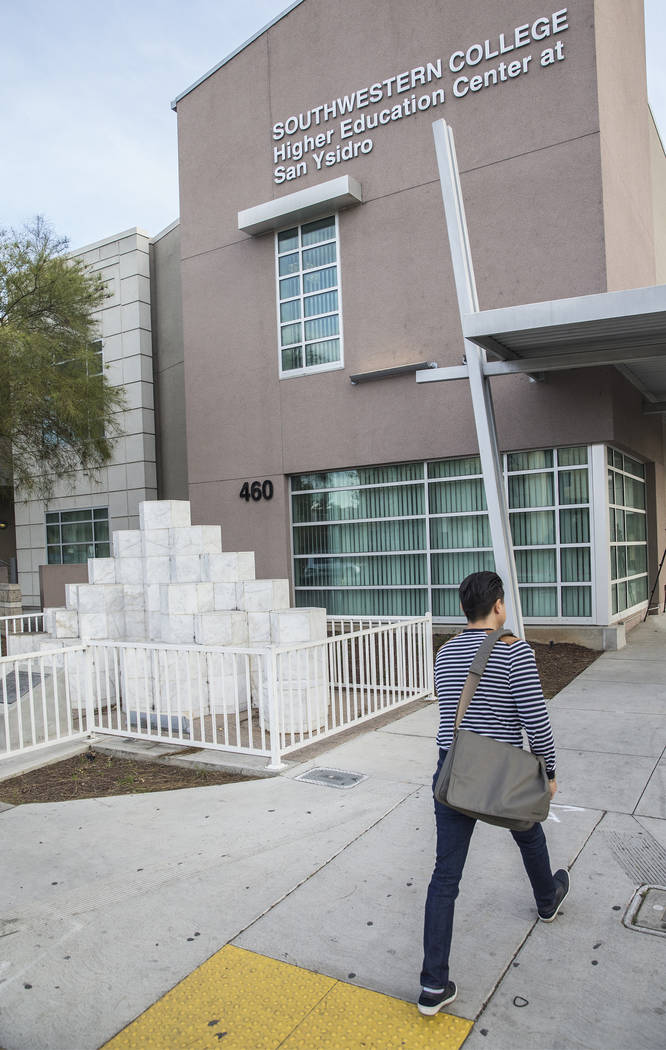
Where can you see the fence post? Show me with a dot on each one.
(89, 679)
(429, 658)
(274, 722)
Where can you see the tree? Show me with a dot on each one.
(58, 411)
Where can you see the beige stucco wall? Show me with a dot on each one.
(658, 172)
(531, 160)
(657, 522)
(624, 121)
(54, 578)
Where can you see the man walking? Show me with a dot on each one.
(507, 700)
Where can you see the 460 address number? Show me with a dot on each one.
(256, 490)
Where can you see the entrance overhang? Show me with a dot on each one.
(624, 329)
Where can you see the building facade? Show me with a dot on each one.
(314, 250)
(78, 520)
(312, 256)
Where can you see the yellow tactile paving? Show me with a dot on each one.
(351, 1018)
(239, 1000)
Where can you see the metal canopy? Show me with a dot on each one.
(612, 328)
(626, 329)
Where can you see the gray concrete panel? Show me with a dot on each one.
(585, 981)
(412, 760)
(623, 734)
(112, 901)
(639, 651)
(601, 781)
(641, 641)
(421, 723)
(655, 826)
(370, 931)
(634, 672)
(653, 801)
(609, 696)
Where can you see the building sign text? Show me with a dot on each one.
(301, 142)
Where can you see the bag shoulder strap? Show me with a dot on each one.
(476, 670)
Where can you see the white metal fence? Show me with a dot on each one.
(44, 699)
(27, 623)
(252, 701)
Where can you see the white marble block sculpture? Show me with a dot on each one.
(170, 582)
(228, 676)
(301, 673)
(229, 567)
(164, 514)
(127, 544)
(102, 570)
(263, 595)
(228, 627)
(66, 623)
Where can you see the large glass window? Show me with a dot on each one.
(369, 555)
(398, 540)
(458, 529)
(75, 535)
(628, 531)
(309, 309)
(549, 509)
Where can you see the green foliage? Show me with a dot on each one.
(59, 412)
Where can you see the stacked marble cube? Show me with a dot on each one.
(170, 582)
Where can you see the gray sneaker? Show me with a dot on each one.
(563, 883)
(432, 1002)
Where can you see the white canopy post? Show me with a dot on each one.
(484, 416)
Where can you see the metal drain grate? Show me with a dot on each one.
(641, 856)
(647, 911)
(332, 778)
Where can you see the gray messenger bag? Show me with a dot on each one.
(488, 779)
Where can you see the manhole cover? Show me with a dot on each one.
(332, 778)
(647, 911)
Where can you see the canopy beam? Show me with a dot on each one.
(479, 384)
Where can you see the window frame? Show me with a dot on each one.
(614, 543)
(308, 369)
(430, 551)
(559, 585)
(84, 516)
(97, 346)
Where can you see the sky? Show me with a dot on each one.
(88, 133)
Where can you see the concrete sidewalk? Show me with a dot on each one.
(108, 903)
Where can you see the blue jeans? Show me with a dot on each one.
(454, 831)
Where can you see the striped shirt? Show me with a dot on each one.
(508, 697)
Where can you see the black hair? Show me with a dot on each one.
(478, 593)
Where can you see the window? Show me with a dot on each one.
(628, 531)
(308, 292)
(360, 541)
(459, 532)
(94, 369)
(549, 505)
(397, 540)
(75, 535)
